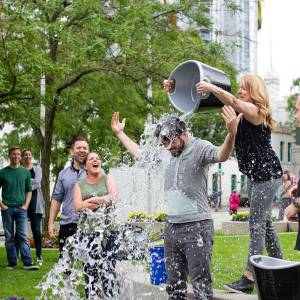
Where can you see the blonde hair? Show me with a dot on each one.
(257, 89)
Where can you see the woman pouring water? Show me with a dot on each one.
(258, 161)
(94, 197)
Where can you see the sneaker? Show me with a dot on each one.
(243, 285)
(11, 266)
(31, 267)
(39, 260)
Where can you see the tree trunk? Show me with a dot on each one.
(46, 150)
(45, 164)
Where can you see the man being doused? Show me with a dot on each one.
(188, 233)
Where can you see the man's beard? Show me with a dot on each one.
(180, 149)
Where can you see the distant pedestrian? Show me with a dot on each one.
(16, 195)
(293, 177)
(234, 203)
(36, 209)
(215, 197)
(285, 199)
(293, 210)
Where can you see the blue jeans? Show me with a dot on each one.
(11, 217)
(35, 223)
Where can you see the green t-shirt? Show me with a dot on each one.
(15, 183)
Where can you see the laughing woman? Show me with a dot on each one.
(94, 197)
(258, 161)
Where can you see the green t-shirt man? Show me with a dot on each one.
(15, 183)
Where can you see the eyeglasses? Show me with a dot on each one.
(167, 142)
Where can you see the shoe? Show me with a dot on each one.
(243, 285)
(11, 266)
(31, 267)
(39, 260)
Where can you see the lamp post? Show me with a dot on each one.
(220, 172)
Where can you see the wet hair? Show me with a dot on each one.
(170, 127)
(13, 148)
(78, 139)
(257, 89)
(25, 150)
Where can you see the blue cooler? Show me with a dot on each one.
(158, 273)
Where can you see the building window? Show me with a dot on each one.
(281, 151)
(289, 152)
(233, 183)
(243, 183)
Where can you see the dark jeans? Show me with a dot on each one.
(188, 248)
(65, 231)
(35, 223)
(285, 202)
(15, 221)
(297, 246)
(100, 276)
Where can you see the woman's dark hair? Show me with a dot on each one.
(25, 150)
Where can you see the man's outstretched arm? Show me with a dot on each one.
(118, 129)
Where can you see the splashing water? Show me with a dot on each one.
(90, 257)
(96, 261)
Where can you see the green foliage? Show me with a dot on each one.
(97, 58)
(295, 92)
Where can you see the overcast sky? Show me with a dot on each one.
(280, 28)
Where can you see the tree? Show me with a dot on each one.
(96, 57)
(295, 92)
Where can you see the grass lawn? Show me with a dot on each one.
(230, 254)
(229, 257)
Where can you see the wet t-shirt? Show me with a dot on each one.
(100, 219)
(255, 155)
(185, 183)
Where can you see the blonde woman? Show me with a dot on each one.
(258, 161)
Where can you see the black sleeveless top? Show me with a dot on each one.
(256, 158)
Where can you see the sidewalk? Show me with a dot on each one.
(146, 291)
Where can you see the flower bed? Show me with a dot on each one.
(139, 216)
(154, 225)
(244, 216)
